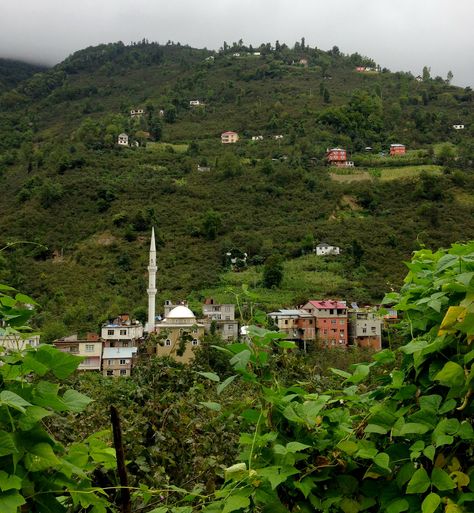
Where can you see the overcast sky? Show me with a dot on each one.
(398, 34)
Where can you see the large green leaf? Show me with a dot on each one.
(13, 400)
(75, 401)
(9, 481)
(430, 503)
(7, 444)
(419, 483)
(32, 416)
(61, 364)
(236, 501)
(10, 501)
(41, 457)
(451, 375)
(441, 480)
(210, 375)
(397, 506)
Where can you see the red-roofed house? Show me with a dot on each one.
(229, 137)
(331, 321)
(338, 157)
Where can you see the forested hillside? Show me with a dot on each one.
(12, 72)
(88, 204)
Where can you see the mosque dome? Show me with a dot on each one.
(181, 312)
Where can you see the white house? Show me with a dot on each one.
(122, 140)
(136, 113)
(325, 249)
(458, 127)
(236, 55)
(195, 103)
(122, 332)
(14, 342)
(257, 137)
(276, 137)
(257, 54)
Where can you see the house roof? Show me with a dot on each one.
(324, 245)
(118, 352)
(229, 133)
(336, 149)
(397, 145)
(329, 303)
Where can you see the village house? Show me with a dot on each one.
(257, 54)
(222, 317)
(325, 249)
(229, 137)
(338, 157)
(122, 332)
(331, 321)
(122, 140)
(195, 103)
(365, 329)
(276, 137)
(89, 347)
(202, 169)
(298, 324)
(16, 342)
(458, 127)
(161, 113)
(257, 137)
(118, 361)
(397, 149)
(303, 62)
(179, 332)
(137, 113)
(419, 78)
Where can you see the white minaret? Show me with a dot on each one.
(150, 325)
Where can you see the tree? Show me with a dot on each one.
(357, 252)
(426, 73)
(273, 272)
(211, 224)
(449, 77)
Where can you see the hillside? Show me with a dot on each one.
(12, 72)
(89, 204)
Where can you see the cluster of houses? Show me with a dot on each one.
(338, 156)
(366, 69)
(233, 137)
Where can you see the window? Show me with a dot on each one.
(89, 348)
(325, 331)
(331, 312)
(195, 342)
(110, 332)
(374, 329)
(125, 344)
(342, 321)
(229, 326)
(227, 317)
(110, 373)
(333, 321)
(123, 372)
(286, 321)
(168, 342)
(341, 333)
(123, 362)
(123, 332)
(364, 330)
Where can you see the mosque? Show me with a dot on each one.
(179, 332)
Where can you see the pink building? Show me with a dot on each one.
(397, 149)
(331, 321)
(229, 137)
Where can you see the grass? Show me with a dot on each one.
(309, 276)
(166, 147)
(385, 174)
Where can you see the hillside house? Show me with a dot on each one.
(303, 62)
(14, 342)
(195, 103)
(161, 113)
(277, 137)
(419, 78)
(179, 327)
(365, 329)
(203, 169)
(458, 127)
(331, 321)
(360, 69)
(397, 149)
(137, 113)
(122, 140)
(236, 54)
(229, 137)
(118, 361)
(338, 157)
(90, 348)
(222, 316)
(257, 137)
(298, 324)
(257, 54)
(122, 332)
(323, 249)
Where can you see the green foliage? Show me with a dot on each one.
(273, 272)
(39, 473)
(403, 443)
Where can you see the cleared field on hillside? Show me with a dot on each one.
(385, 174)
(166, 147)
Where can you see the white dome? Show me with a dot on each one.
(181, 312)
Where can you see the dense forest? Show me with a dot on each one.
(76, 209)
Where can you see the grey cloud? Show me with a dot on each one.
(400, 35)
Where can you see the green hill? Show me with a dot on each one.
(89, 204)
(12, 72)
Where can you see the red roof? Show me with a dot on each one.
(329, 303)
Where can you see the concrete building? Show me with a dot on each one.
(338, 157)
(326, 249)
(397, 149)
(122, 332)
(458, 127)
(331, 321)
(195, 103)
(229, 137)
(178, 334)
(222, 316)
(122, 140)
(137, 113)
(17, 342)
(90, 348)
(117, 361)
(365, 329)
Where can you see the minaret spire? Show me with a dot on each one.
(150, 326)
